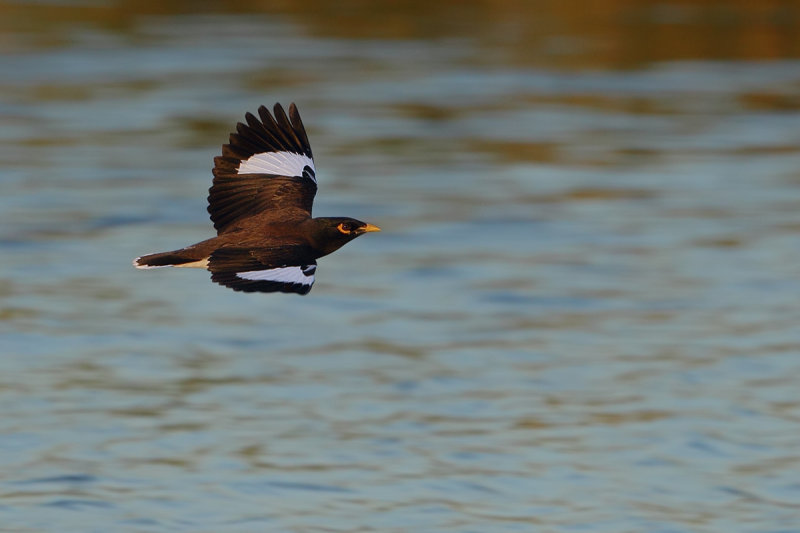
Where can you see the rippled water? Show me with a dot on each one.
(581, 315)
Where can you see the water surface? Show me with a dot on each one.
(581, 314)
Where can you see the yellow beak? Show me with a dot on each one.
(370, 227)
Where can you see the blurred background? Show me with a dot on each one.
(581, 314)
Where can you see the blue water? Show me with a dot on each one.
(581, 314)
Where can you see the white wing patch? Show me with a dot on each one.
(302, 275)
(279, 163)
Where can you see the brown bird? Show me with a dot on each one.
(260, 203)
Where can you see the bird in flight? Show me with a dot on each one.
(260, 203)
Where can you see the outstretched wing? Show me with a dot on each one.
(267, 165)
(280, 269)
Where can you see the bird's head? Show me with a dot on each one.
(334, 232)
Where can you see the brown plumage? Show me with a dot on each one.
(260, 203)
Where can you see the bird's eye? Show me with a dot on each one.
(345, 227)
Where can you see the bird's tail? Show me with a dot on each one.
(185, 257)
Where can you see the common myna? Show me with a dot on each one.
(260, 203)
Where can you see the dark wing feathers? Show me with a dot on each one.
(234, 196)
(288, 268)
(286, 128)
(272, 126)
(245, 195)
(300, 130)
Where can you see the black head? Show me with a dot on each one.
(335, 232)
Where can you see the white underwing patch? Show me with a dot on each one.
(303, 275)
(278, 163)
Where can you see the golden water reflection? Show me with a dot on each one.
(606, 34)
